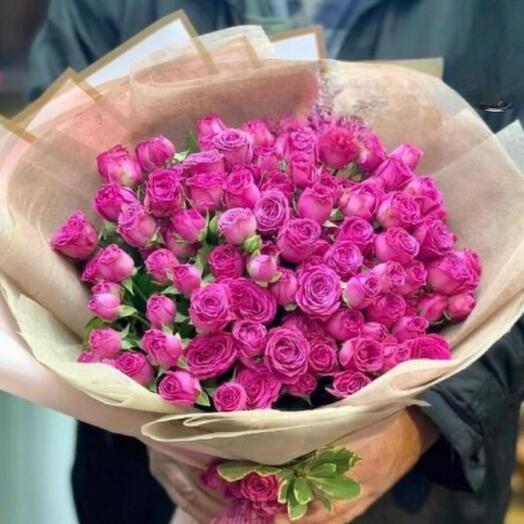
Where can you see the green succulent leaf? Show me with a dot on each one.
(302, 490)
(283, 490)
(236, 470)
(323, 470)
(295, 509)
(266, 471)
(337, 487)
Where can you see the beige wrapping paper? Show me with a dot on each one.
(231, 73)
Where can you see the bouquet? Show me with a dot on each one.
(279, 283)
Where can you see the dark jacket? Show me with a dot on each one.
(465, 477)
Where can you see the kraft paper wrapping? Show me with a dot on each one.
(231, 73)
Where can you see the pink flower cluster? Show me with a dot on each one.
(283, 259)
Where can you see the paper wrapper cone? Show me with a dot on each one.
(232, 74)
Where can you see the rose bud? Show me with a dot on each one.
(473, 261)
(258, 128)
(435, 239)
(266, 158)
(163, 349)
(375, 331)
(361, 290)
(371, 152)
(397, 245)
(209, 356)
(393, 174)
(460, 306)
(416, 278)
(210, 308)
(287, 353)
(409, 327)
(362, 354)
(251, 302)
(237, 224)
(452, 274)
(105, 306)
(263, 268)
(136, 366)
(230, 396)
(346, 383)
(425, 191)
(304, 387)
(235, 145)
(392, 276)
(431, 346)
(394, 354)
(280, 181)
(285, 288)
(189, 225)
(179, 387)
(160, 311)
(226, 261)
(210, 161)
(110, 199)
(357, 230)
(323, 358)
(261, 386)
(136, 226)
(251, 339)
(337, 147)
(408, 154)
(345, 258)
(180, 248)
(119, 167)
(271, 211)
(361, 200)
(208, 126)
(387, 309)
(105, 342)
(302, 170)
(164, 193)
(76, 238)
(86, 357)
(186, 278)
(398, 210)
(432, 306)
(154, 152)
(330, 184)
(299, 140)
(114, 264)
(346, 323)
(298, 238)
(160, 265)
(105, 286)
(319, 291)
(316, 203)
(240, 189)
(308, 326)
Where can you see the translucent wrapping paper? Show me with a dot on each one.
(233, 73)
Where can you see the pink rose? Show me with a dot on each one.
(287, 353)
(454, 273)
(250, 337)
(319, 291)
(460, 306)
(235, 145)
(346, 383)
(210, 161)
(409, 327)
(435, 239)
(361, 200)
(105, 306)
(285, 288)
(425, 191)
(205, 190)
(179, 387)
(346, 323)
(278, 180)
(110, 199)
(211, 479)
(361, 290)
(164, 193)
(309, 327)
(371, 152)
(136, 366)
(397, 245)
(117, 166)
(163, 349)
(230, 396)
(240, 189)
(408, 154)
(263, 268)
(344, 257)
(105, 342)
(304, 386)
(271, 211)
(387, 309)
(398, 210)
(180, 248)
(136, 226)
(316, 202)
(104, 286)
(416, 278)
(251, 302)
(210, 308)
(331, 184)
(261, 386)
(114, 264)
(237, 224)
(226, 261)
(432, 306)
(76, 238)
(393, 174)
(154, 152)
(392, 276)
(266, 158)
(189, 225)
(160, 311)
(298, 238)
(298, 140)
(375, 331)
(357, 230)
(259, 130)
(209, 356)
(337, 147)
(257, 488)
(394, 354)
(302, 170)
(160, 265)
(207, 128)
(322, 355)
(362, 354)
(429, 346)
(186, 278)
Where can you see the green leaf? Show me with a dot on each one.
(181, 318)
(93, 323)
(323, 470)
(182, 362)
(290, 307)
(336, 215)
(125, 331)
(266, 471)
(203, 399)
(171, 290)
(128, 284)
(127, 344)
(339, 487)
(283, 490)
(302, 490)
(191, 143)
(338, 455)
(236, 470)
(328, 223)
(252, 244)
(326, 501)
(126, 311)
(295, 509)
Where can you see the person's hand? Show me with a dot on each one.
(388, 451)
